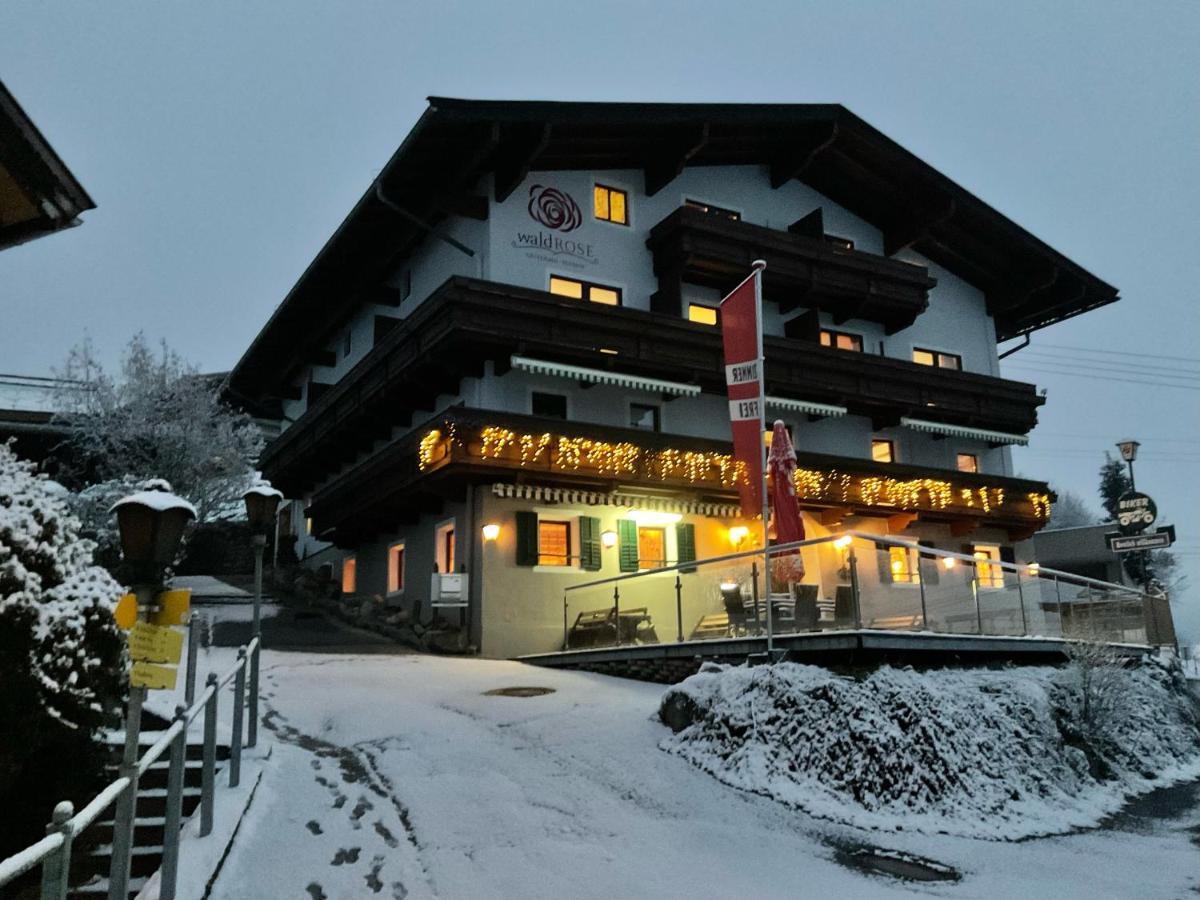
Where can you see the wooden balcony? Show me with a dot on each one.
(697, 247)
(466, 323)
(416, 473)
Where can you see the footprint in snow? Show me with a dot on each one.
(315, 891)
(344, 856)
(388, 837)
(361, 808)
(372, 878)
(314, 826)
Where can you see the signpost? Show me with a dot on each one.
(1135, 512)
(1159, 540)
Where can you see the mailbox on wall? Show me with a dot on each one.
(448, 591)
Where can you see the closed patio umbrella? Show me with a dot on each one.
(781, 465)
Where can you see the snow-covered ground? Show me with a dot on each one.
(397, 776)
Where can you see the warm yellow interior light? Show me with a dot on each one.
(843, 542)
(705, 315)
(950, 562)
(491, 531)
(737, 534)
(1033, 569)
(897, 566)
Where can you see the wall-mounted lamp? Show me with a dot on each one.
(737, 534)
(1033, 569)
(950, 562)
(608, 538)
(491, 531)
(843, 542)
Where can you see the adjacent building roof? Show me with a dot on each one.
(1028, 284)
(38, 194)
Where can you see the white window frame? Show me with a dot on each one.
(934, 348)
(670, 547)
(558, 514)
(540, 390)
(399, 589)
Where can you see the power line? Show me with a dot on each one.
(1104, 351)
(1099, 377)
(1114, 364)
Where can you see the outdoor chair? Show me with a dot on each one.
(806, 613)
(843, 607)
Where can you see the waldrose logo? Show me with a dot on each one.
(554, 208)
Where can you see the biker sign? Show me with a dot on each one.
(1135, 512)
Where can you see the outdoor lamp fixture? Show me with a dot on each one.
(737, 534)
(262, 502)
(950, 562)
(151, 525)
(491, 531)
(608, 538)
(1033, 569)
(843, 542)
(1128, 450)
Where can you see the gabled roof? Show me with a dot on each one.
(1028, 284)
(38, 194)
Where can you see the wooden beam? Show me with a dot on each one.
(669, 162)
(810, 226)
(516, 155)
(904, 234)
(898, 522)
(798, 153)
(963, 527)
(325, 358)
(834, 515)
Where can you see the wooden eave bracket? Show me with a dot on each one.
(667, 166)
(798, 153)
(912, 229)
(834, 515)
(516, 156)
(963, 527)
(900, 521)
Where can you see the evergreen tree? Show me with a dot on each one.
(1114, 481)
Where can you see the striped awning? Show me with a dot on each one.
(600, 498)
(978, 434)
(807, 406)
(604, 376)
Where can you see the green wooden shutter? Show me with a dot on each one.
(929, 565)
(527, 538)
(685, 544)
(627, 543)
(589, 544)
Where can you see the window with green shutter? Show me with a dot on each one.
(589, 544)
(685, 544)
(527, 538)
(627, 545)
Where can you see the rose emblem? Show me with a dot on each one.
(554, 208)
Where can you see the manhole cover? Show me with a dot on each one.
(518, 692)
(897, 864)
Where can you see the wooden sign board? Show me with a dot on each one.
(154, 643)
(173, 607)
(155, 678)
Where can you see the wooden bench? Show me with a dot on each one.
(711, 626)
(896, 623)
(598, 628)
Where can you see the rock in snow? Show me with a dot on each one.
(979, 753)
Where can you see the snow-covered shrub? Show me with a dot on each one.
(61, 653)
(995, 754)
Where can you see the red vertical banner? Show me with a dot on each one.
(740, 330)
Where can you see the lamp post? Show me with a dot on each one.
(1129, 454)
(262, 503)
(151, 524)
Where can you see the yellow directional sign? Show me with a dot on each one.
(126, 611)
(156, 678)
(154, 643)
(173, 607)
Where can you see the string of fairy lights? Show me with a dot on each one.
(565, 453)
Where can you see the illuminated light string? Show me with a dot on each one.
(565, 453)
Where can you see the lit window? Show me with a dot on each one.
(883, 451)
(349, 575)
(581, 290)
(611, 204)
(968, 462)
(548, 406)
(730, 214)
(987, 566)
(644, 415)
(705, 315)
(934, 358)
(444, 544)
(307, 525)
(902, 562)
(841, 340)
(652, 547)
(395, 568)
(554, 543)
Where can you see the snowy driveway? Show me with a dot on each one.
(398, 776)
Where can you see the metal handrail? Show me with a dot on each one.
(67, 825)
(779, 549)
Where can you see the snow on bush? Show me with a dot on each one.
(56, 606)
(992, 754)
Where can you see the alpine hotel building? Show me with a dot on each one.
(506, 361)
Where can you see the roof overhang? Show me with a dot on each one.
(820, 410)
(38, 194)
(995, 438)
(604, 376)
(435, 173)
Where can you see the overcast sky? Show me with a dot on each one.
(223, 142)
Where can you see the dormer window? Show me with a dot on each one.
(610, 204)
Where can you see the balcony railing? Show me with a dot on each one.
(855, 582)
(467, 322)
(694, 246)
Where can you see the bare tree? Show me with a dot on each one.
(1071, 511)
(1097, 666)
(158, 418)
